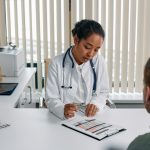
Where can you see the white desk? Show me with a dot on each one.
(23, 80)
(37, 129)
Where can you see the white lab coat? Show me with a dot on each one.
(57, 97)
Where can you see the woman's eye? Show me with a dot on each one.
(96, 50)
(87, 47)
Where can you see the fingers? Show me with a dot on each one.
(91, 110)
(70, 107)
(69, 110)
(69, 115)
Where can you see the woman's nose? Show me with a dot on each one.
(91, 53)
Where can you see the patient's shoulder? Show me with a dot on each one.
(141, 142)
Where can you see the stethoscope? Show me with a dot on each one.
(91, 64)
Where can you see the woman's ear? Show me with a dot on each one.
(76, 39)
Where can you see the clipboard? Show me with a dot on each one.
(93, 128)
(7, 88)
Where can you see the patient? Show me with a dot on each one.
(142, 142)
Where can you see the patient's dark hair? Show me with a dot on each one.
(147, 73)
(85, 28)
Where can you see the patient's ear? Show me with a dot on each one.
(148, 92)
(146, 95)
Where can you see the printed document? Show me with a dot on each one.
(92, 127)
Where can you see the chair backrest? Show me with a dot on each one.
(46, 62)
(1, 74)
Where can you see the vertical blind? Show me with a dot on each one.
(43, 29)
(126, 47)
(38, 26)
(2, 24)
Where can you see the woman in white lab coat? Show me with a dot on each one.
(79, 75)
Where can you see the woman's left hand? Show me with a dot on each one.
(91, 110)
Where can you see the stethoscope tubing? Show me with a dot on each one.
(92, 66)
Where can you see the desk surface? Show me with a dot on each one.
(37, 129)
(10, 101)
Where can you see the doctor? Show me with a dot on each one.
(79, 75)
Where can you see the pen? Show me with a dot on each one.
(80, 105)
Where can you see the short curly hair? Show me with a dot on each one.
(84, 28)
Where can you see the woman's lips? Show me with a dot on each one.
(86, 59)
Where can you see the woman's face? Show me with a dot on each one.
(86, 49)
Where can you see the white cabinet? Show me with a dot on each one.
(26, 78)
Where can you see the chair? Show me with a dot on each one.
(46, 63)
(1, 75)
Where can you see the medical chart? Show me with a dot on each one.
(93, 127)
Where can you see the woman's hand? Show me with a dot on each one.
(91, 110)
(69, 110)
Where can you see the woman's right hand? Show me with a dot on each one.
(69, 110)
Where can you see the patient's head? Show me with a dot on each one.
(146, 90)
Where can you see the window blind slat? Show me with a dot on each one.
(139, 47)
(30, 32)
(124, 47)
(45, 36)
(95, 10)
(73, 15)
(99, 11)
(131, 55)
(51, 23)
(89, 12)
(117, 45)
(110, 41)
(146, 44)
(8, 21)
(102, 21)
(59, 25)
(2, 24)
(38, 40)
(81, 9)
(66, 25)
(23, 28)
(16, 22)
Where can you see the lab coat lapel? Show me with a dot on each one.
(74, 72)
(74, 78)
(88, 78)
